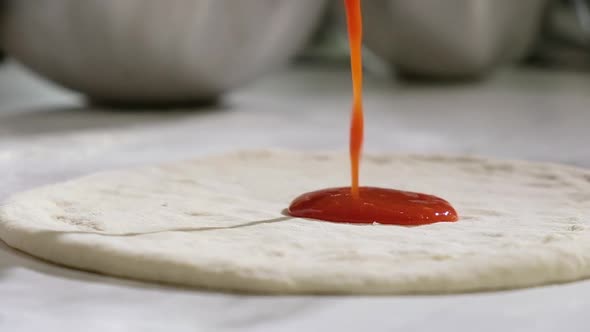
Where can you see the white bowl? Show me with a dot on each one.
(451, 38)
(155, 50)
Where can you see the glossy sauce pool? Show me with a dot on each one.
(357, 204)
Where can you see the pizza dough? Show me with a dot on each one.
(217, 223)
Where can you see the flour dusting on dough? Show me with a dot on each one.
(217, 223)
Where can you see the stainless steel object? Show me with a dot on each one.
(566, 36)
(451, 38)
(154, 50)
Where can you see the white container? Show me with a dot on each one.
(451, 38)
(155, 51)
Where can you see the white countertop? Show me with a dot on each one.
(47, 135)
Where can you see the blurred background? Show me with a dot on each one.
(141, 52)
(459, 76)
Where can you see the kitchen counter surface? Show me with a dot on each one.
(48, 135)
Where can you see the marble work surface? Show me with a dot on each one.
(47, 135)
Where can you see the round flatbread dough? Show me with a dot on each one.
(218, 223)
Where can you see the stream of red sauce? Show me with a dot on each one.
(357, 204)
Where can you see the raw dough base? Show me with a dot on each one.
(217, 223)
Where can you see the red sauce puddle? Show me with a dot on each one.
(383, 206)
(367, 204)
